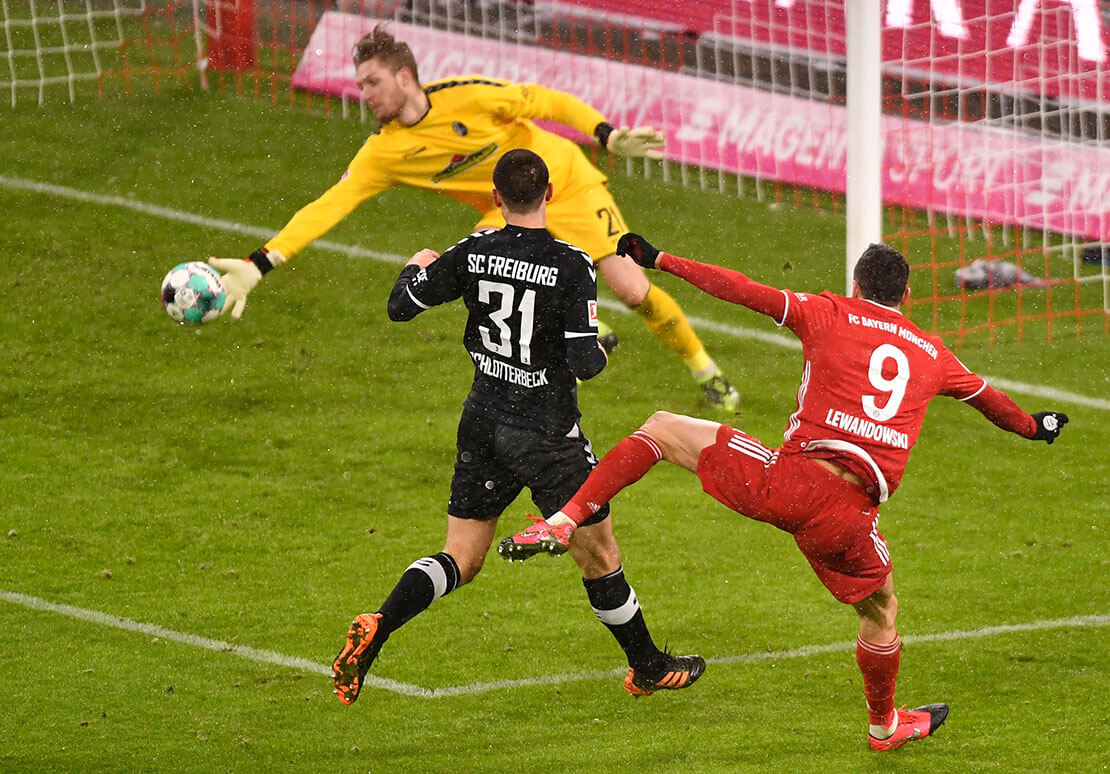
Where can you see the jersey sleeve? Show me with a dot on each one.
(530, 100)
(417, 290)
(1001, 409)
(728, 285)
(364, 178)
(959, 381)
(584, 357)
(964, 385)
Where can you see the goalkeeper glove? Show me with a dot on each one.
(240, 276)
(1049, 424)
(638, 249)
(638, 142)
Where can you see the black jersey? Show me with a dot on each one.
(532, 324)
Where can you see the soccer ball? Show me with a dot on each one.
(193, 293)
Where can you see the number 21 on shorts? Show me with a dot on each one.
(614, 226)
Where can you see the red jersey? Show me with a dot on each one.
(868, 376)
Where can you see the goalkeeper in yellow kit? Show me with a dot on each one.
(447, 136)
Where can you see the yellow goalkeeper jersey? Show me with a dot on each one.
(473, 120)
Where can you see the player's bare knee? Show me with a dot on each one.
(658, 424)
(629, 297)
(890, 612)
(665, 429)
(625, 278)
(878, 614)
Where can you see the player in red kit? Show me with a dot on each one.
(868, 377)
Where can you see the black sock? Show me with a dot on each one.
(425, 581)
(615, 604)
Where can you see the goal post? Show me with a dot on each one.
(864, 164)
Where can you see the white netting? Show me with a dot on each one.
(59, 43)
(1000, 120)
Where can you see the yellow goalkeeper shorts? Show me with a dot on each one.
(586, 217)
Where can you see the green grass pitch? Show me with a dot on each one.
(259, 483)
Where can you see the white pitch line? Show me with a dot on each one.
(262, 234)
(1050, 393)
(407, 689)
(180, 216)
(251, 654)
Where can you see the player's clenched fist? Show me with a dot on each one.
(1049, 425)
(423, 258)
(638, 249)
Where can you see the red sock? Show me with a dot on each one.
(879, 665)
(626, 463)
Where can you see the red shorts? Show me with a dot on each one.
(834, 522)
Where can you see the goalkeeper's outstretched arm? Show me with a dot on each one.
(309, 222)
(542, 102)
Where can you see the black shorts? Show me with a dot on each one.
(495, 461)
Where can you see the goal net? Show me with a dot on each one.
(63, 48)
(995, 113)
(998, 161)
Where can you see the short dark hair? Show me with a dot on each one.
(882, 274)
(521, 178)
(379, 44)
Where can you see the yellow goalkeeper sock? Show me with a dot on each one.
(701, 365)
(666, 321)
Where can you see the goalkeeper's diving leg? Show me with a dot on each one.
(667, 322)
